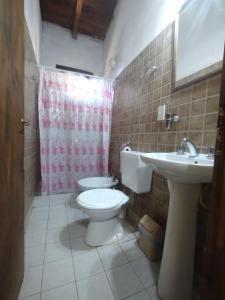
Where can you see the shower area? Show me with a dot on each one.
(74, 114)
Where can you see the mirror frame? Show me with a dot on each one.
(202, 74)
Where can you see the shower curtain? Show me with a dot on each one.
(75, 123)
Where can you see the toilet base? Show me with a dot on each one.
(103, 232)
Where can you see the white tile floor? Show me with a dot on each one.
(60, 266)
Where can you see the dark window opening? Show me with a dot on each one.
(73, 70)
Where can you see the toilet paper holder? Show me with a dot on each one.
(125, 146)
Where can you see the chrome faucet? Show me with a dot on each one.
(210, 152)
(185, 143)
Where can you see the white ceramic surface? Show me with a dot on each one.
(100, 233)
(101, 199)
(135, 174)
(90, 183)
(185, 175)
(181, 168)
(102, 206)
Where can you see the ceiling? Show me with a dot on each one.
(90, 17)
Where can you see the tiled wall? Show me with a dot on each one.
(135, 119)
(31, 142)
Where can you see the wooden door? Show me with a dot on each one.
(215, 251)
(11, 148)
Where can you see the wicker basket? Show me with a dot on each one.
(151, 238)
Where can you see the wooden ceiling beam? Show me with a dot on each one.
(77, 14)
(90, 17)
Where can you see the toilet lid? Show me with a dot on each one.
(100, 199)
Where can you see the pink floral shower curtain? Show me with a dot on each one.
(75, 122)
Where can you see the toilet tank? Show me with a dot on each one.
(135, 173)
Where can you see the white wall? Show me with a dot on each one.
(33, 18)
(58, 47)
(135, 25)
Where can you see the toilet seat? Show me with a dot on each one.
(101, 199)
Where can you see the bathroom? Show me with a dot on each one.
(112, 123)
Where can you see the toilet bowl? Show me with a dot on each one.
(90, 183)
(103, 207)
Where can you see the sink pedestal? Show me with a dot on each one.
(185, 175)
(176, 273)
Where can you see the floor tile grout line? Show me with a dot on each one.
(95, 274)
(127, 296)
(57, 287)
(123, 252)
(137, 274)
(43, 291)
(75, 279)
(97, 250)
(72, 260)
(56, 260)
(136, 293)
(135, 260)
(64, 258)
(44, 244)
(43, 267)
(24, 298)
(128, 263)
(105, 274)
(114, 267)
(100, 258)
(113, 292)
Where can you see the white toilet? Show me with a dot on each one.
(91, 183)
(104, 205)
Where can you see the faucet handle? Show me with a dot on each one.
(210, 152)
(184, 140)
(181, 149)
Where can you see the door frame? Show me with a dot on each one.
(214, 286)
(11, 148)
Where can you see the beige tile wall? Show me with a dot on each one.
(31, 137)
(136, 100)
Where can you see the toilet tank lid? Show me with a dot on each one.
(101, 199)
(137, 153)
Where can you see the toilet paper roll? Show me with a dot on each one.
(127, 148)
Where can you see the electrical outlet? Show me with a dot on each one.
(161, 112)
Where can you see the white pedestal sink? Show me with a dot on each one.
(185, 175)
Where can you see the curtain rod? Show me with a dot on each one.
(74, 72)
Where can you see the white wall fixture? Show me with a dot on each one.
(136, 174)
(58, 47)
(161, 113)
(184, 175)
(113, 63)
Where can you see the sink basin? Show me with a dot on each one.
(181, 168)
(184, 175)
